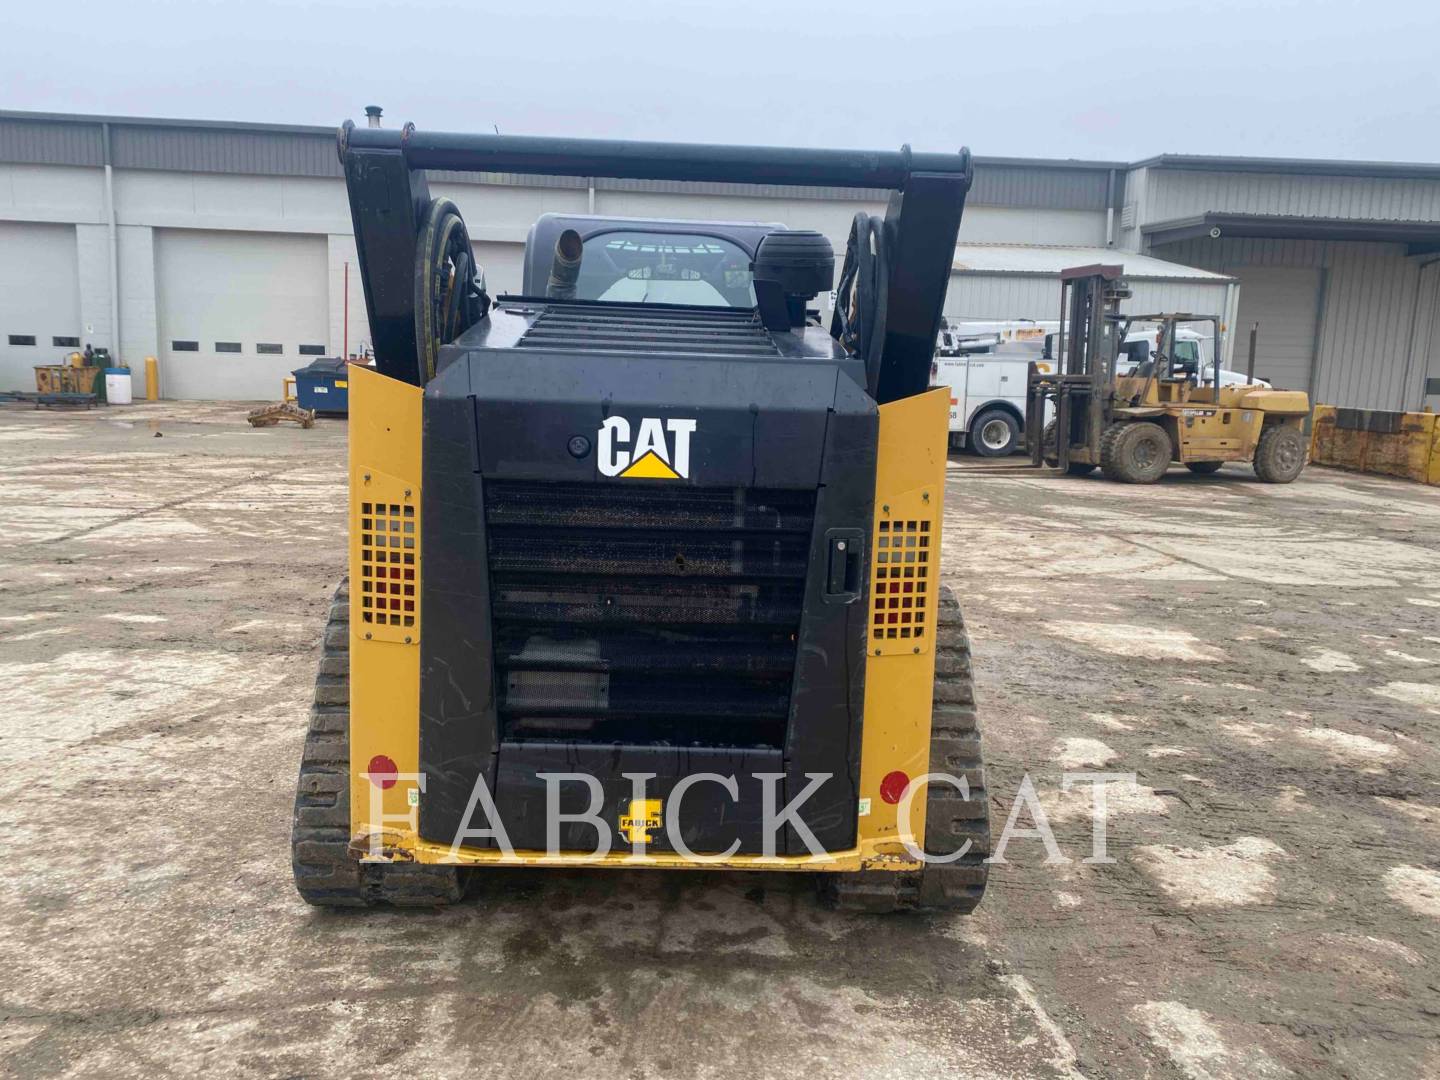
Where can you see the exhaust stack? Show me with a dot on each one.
(565, 270)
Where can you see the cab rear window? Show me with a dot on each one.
(665, 268)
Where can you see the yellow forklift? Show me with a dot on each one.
(644, 560)
(1166, 406)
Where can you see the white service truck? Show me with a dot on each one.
(986, 365)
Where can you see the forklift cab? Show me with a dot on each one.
(1169, 367)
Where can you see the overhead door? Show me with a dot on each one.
(39, 299)
(1284, 300)
(238, 310)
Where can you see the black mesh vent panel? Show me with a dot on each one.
(646, 614)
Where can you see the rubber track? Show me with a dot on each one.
(949, 819)
(326, 874)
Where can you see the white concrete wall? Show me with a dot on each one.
(56, 193)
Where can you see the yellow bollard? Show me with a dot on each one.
(152, 379)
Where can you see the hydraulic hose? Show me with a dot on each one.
(863, 295)
(448, 297)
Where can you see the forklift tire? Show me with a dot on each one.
(1075, 468)
(1137, 452)
(950, 819)
(326, 873)
(994, 433)
(1280, 454)
(1204, 468)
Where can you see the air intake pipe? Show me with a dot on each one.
(565, 270)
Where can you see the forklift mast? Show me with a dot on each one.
(1080, 388)
(385, 175)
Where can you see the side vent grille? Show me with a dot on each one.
(387, 565)
(901, 596)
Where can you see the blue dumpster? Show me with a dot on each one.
(323, 386)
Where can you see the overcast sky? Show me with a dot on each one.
(1122, 79)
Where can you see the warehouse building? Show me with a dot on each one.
(222, 249)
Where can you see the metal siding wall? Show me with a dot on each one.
(1037, 296)
(1366, 332)
(266, 153)
(36, 142)
(1178, 193)
(1285, 301)
(1134, 203)
(1056, 189)
(1427, 331)
(1367, 327)
(1196, 298)
(1231, 253)
(1013, 296)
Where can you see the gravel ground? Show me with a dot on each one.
(1265, 662)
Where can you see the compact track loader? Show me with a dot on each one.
(644, 562)
(1168, 408)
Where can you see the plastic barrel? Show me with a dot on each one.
(117, 386)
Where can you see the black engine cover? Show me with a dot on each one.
(688, 617)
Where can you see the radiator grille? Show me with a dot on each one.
(646, 614)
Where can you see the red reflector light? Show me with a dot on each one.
(892, 788)
(384, 772)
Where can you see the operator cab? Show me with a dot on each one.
(736, 290)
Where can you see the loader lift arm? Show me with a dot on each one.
(390, 201)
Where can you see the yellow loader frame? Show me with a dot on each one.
(385, 626)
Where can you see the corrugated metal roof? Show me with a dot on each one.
(1036, 260)
(1305, 166)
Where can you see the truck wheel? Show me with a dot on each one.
(1204, 468)
(1280, 454)
(994, 433)
(1135, 453)
(1075, 468)
(950, 818)
(326, 874)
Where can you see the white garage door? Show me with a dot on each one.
(39, 299)
(238, 310)
(1284, 301)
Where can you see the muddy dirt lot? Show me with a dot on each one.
(1265, 660)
